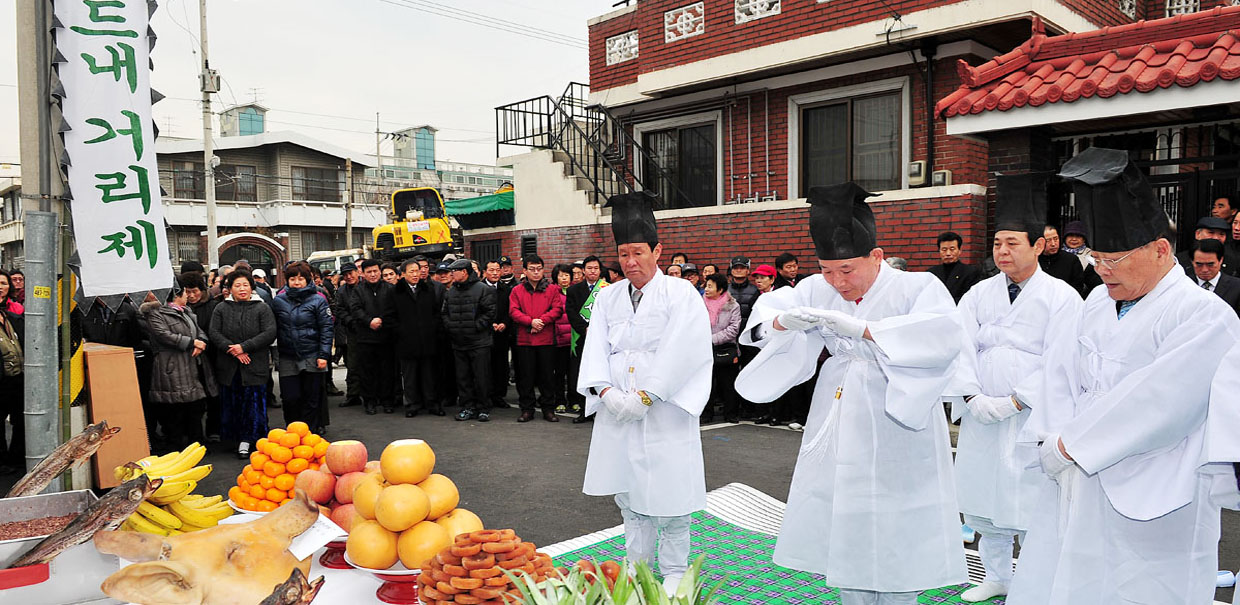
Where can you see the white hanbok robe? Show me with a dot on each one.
(1222, 450)
(1129, 399)
(664, 348)
(1002, 356)
(872, 504)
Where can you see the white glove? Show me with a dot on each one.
(1054, 463)
(989, 410)
(634, 408)
(798, 319)
(838, 322)
(613, 400)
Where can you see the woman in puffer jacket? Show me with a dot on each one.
(242, 330)
(562, 277)
(304, 322)
(181, 376)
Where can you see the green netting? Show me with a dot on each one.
(744, 556)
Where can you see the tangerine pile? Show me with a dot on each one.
(269, 477)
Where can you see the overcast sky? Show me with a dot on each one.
(347, 59)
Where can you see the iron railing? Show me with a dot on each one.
(597, 147)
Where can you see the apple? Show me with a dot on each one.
(318, 485)
(345, 484)
(372, 467)
(323, 468)
(343, 516)
(344, 457)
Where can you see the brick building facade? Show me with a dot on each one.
(742, 105)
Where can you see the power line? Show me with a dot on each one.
(484, 21)
(398, 125)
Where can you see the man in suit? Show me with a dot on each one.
(579, 318)
(502, 334)
(957, 276)
(1063, 265)
(413, 317)
(1208, 227)
(1207, 272)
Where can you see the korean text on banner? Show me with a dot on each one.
(118, 218)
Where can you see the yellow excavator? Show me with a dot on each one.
(420, 225)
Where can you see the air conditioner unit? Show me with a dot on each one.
(917, 173)
(941, 178)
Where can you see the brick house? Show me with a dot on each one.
(731, 109)
(1166, 90)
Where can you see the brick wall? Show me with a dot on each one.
(796, 19)
(906, 228)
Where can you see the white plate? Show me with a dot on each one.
(395, 570)
(244, 511)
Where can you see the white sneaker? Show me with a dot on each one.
(670, 583)
(796, 426)
(983, 592)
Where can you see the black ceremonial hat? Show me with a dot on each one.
(1020, 203)
(632, 218)
(1115, 201)
(841, 222)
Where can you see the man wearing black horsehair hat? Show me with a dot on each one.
(1123, 420)
(872, 505)
(999, 379)
(645, 373)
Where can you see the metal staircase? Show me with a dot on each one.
(596, 148)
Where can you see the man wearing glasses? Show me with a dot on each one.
(1122, 427)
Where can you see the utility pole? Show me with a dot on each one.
(209, 83)
(348, 203)
(40, 415)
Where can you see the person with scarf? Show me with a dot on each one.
(725, 324)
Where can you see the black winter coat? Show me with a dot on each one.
(121, 329)
(177, 376)
(304, 323)
(468, 312)
(250, 324)
(366, 302)
(413, 316)
(744, 296)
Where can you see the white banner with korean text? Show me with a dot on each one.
(118, 217)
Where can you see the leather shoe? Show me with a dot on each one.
(438, 412)
(500, 403)
(550, 416)
(371, 410)
(348, 404)
(466, 414)
(411, 413)
(525, 416)
(484, 417)
(387, 409)
(583, 419)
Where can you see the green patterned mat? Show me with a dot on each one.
(745, 557)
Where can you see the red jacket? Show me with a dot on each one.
(528, 303)
(563, 329)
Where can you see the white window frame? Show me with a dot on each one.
(796, 102)
(696, 119)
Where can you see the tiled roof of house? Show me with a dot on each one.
(1135, 58)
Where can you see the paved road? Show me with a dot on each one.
(528, 476)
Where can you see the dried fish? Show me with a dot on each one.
(107, 512)
(71, 452)
(295, 590)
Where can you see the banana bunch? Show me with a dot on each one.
(173, 466)
(174, 509)
(189, 513)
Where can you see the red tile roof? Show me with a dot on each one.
(1142, 56)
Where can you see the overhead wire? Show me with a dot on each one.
(488, 22)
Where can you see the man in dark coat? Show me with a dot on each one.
(468, 315)
(413, 317)
(956, 275)
(1207, 272)
(374, 355)
(501, 335)
(202, 304)
(579, 319)
(1063, 265)
(345, 334)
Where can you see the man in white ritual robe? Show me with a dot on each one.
(872, 504)
(646, 376)
(1122, 426)
(999, 378)
(1222, 450)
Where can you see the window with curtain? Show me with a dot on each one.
(855, 139)
(682, 166)
(316, 184)
(236, 183)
